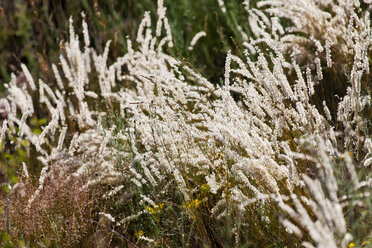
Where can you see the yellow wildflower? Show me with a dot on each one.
(351, 244)
(192, 204)
(139, 233)
(151, 210)
(155, 209)
(367, 242)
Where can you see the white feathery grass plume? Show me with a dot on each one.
(4, 128)
(195, 39)
(316, 24)
(58, 77)
(107, 216)
(19, 97)
(23, 120)
(328, 228)
(24, 170)
(28, 77)
(61, 138)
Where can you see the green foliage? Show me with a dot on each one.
(11, 158)
(5, 240)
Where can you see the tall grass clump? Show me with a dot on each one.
(146, 151)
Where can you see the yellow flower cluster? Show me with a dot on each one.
(365, 243)
(155, 209)
(192, 204)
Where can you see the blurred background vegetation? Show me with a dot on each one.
(32, 31)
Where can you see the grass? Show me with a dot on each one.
(32, 33)
(33, 30)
